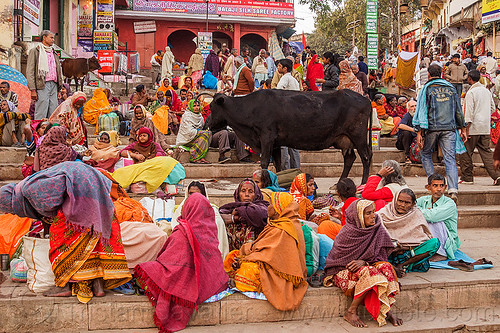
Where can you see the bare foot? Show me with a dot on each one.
(400, 271)
(98, 287)
(353, 319)
(58, 291)
(394, 320)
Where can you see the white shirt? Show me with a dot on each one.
(288, 82)
(491, 65)
(479, 106)
(153, 60)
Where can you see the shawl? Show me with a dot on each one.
(410, 229)
(43, 60)
(136, 124)
(53, 149)
(406, 71)
(298, 190)
(164, 88)
(253, 214)
(79, 190)
(195, 62)
(189, 268)
(212, 64)
(355, 242)
(191, 122)
(421, 114)
(314, 71)
(103, 151)
(389, 110)
(280, 252)
(166, 63)
(175, 104)
(11, 115)
(275, 186)
(347, 79)
(67, 115)
(149, 149)
(299, 68)
(380, 109)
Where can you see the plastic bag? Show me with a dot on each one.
(124, 161)
(18, 270)
(159, 208)
(40, 277)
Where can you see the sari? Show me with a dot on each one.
(136, 124)
(95, 107)
(387, 124)
(105, 155)
(252, 217)
(347, 79)
(189, 268)
(274, 263)
(314, 71)
(53, 149)
(378, 281)
(67, 115)
(298, 190)
(299, 68)
(149, 149)
(191, 134)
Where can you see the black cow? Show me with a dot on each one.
(268, 119)
(78, 68)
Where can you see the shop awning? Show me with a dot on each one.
(287, 33)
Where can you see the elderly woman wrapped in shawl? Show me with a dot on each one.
(246, 217)
(141, 120)
(347, 79)
(382, 187)
(54, 149)
(189, 268)
(85, 245)
(197, 187)
(103, 154)
(303, 187)
(358, 265)
(66, 114)
(267, 181)
(274, 263)
(406, 225)
(191, 134)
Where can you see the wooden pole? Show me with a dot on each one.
(494, 39)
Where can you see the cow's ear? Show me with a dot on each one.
(219, 100)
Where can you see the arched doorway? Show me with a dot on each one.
(220, 38)
(182, 45)
(253, 43)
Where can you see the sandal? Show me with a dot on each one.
(316, 280)
(482, 261)
(462, 265)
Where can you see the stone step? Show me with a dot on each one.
(433, 297)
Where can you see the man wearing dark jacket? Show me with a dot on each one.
(363, 67)
(331, 80)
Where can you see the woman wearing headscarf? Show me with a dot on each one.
(85, 244)
(189, 268)
(141, 120)
(112, 100)
(347, 79)
(274, 263)
(408, 227)
(64, 93)
(54, 149)
(195, 66)
(197, 187)
(485, 77)
(212, 64)
(302, 189)
(103, 154)
(189, 85)
(66, 115)
(358, 265)
(191, 134)
(382, 187)
(166, 64)
(145, 148)
(267, 181)
(314, 71)
(246, 217)
(165, 85)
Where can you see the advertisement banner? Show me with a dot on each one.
(491, 11)
(371, 16)
(85, 24)
(219, 7)
(372, 51)
(104, 12)
(106, 61)
(32, 11)
(103, 40)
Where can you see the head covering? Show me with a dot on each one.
(145, 130)
(298, 190)
(189, 268)
(67, 115)
(195, 62)
(280, 253)
(314, 71)
(12, 107)
(410, 229)
(258, 193)
(354, 242)
(347, 79)
(53, 149)
(148, 149)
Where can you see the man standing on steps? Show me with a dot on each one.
(479, 106)
(44, 75)
(439, 118)
(456, 73)
(288, 82)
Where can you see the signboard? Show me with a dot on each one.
(103, 40)
(371, 16)
(372, 51)
(491, 10)
(106, 61)
(32, 11)
(144, 26)
(205, 43)
(105, 15)
(85, 18)
(219, 7)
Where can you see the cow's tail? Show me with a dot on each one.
(370, 144)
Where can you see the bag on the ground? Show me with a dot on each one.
(286, 177)
(120, 115)
(139, 188)
(415, 153)
(125, 128)
(40, 276)
(108, 122)
(124, 161)
(18, 270)
(159, 208)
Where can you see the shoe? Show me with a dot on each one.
(454, 197)
(497, 181)
(125, 289)
(224, 159)
(463, 182)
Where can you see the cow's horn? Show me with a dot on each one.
(204, 93)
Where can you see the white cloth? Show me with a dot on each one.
(190, 124)
(166, 64)
(288, 82)
(43, 61)
(479, 106)
(221, 226)
(153, 60)
(221, 86)
(491, 65)
(259, 66)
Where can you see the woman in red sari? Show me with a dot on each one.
(314, 71)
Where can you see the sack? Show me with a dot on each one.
(124, 128)
(36, 253)
(415, 153)
(108, 122)
(139, 188)
(286, 177)
(159, 208)
(18, 270)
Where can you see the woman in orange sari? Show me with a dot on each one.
(303, 187)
